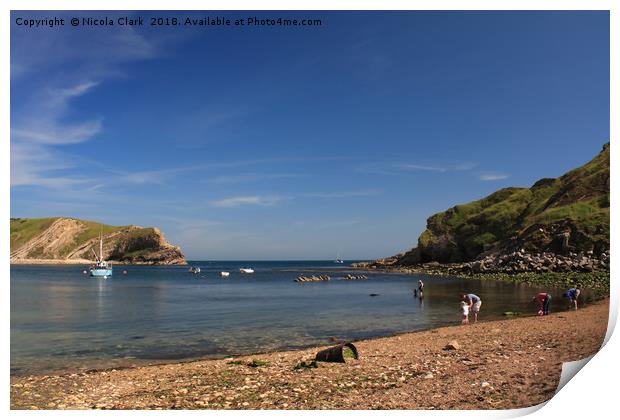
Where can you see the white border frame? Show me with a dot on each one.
(591, 394)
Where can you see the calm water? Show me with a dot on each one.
(62, 319)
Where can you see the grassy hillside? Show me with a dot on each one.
(93, 229)
(535, 219)
(59, 238)
(23, 230)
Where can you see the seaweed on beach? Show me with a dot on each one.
(597, 282)
(257, 363)
(347, 353)
(306, 365)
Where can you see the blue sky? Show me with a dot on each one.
(299, 143)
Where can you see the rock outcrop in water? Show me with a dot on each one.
(68, 240)
(310, 279)
(559, 224)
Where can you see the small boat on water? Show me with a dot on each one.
(246, 270)
(101, 268)
(194, 270)
(339, 260)
(224, 273)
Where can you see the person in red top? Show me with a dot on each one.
(544, 299)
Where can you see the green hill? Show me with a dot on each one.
(559, 215)
(68, 239)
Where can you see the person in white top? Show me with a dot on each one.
(464, 312)
(474, 303)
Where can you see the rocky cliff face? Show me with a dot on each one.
(567, 216)
(66, 239)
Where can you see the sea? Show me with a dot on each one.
(62, 320)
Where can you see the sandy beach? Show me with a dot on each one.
(511, 363)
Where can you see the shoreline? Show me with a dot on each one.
(406, 370)
(131, 364)
(205, 358)
(82, 262)
(598, 281)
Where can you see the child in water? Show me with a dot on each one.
(464, 312)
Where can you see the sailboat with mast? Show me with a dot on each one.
(101, 268)
(338, 259)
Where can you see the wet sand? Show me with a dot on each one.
(511, 363)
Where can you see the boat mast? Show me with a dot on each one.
(100, 247)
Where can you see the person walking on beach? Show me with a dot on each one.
(573, 294)
(474, 303)
(544, 299)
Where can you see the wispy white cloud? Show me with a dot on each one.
(257, 200)
(88, 54)
(42, 169)
(463, 166)
(53, 133)
(343, 194)
(398, 168)
(251, 177)
(493, 177)
(64, 94)
(421, 167)
(39, 127)
(254, 200)
(321, 224)
(34, 135)
(41, 123)
(162, 175)
(220, 166)
(155, 176)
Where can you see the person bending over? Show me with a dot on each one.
(474, 303)
(544, 299)
(573, 295)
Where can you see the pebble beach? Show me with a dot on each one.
(511, 363)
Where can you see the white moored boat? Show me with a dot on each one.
(224, 273)
(101, 268)
(246, 270)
